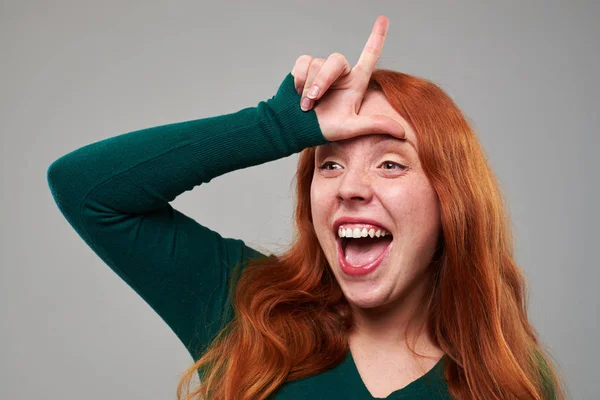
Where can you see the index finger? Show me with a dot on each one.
(373, 48)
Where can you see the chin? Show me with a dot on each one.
(364, 294)
(364, 302)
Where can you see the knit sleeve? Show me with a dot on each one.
(115, 194)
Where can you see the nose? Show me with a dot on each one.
(354, 186)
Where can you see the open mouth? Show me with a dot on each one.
(363, 251)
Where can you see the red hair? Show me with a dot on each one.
(291, 317)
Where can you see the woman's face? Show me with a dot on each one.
(376, 177)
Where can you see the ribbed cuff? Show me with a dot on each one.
(300, 129)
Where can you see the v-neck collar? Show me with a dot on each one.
(433, 381)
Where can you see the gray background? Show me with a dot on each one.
(524, 72)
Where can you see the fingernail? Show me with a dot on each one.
(305, 104)
(314, 91)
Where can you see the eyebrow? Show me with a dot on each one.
(390, 138)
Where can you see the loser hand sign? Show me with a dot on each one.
(337, 112)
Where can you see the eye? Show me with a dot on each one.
(401, 167)
(326, 164)
(388, 163)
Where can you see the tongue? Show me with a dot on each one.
(362, 251)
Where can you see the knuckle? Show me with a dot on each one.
(303, 58)
(300, 69)
(338, 57)
(302, 63)
(314, 67)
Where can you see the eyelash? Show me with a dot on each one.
(402, 167)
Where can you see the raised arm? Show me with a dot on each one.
(115, 193)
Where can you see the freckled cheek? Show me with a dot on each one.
(418, 213)
(405, 205)
(394, 196)
(322, 195)
(321, 207)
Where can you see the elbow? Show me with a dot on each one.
(61, 177)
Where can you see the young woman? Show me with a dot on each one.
(400, 282)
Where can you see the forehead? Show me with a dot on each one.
(375, 103)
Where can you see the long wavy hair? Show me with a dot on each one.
(291, 318)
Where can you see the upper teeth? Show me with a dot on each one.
(364, 232)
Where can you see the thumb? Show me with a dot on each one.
(379, 124)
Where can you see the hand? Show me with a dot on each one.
(337, 112)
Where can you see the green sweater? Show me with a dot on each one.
(115, 193)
